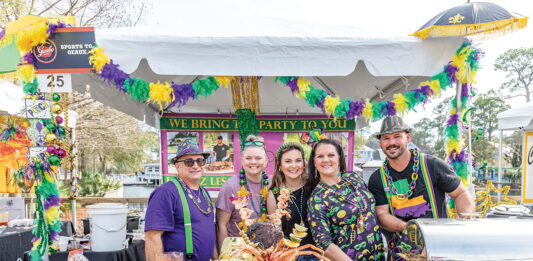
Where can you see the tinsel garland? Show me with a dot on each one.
(41, 232)
(247, 124)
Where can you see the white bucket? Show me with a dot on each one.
(108, 226)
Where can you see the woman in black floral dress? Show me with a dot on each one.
(341, 209)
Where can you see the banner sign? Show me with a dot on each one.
(207, 181)
(218, 135)
(37, 109)
(60, 82)
(230, 124)
(527, 176)
(66, 52)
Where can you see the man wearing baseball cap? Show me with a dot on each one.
(411, 185)
(222, 150)
(180, 214)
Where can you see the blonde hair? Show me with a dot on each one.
(254, 138)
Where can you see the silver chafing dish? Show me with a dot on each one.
(475, 239)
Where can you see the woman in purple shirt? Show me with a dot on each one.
(165, 229)
(253, 178)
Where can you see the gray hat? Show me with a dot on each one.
(188, 147)
(392, 124)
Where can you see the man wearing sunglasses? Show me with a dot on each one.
(180, 215)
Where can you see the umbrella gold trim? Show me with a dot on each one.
(484, 30)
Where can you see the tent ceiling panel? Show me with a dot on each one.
(346, 61)
(517, 118)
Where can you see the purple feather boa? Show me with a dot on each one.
(51, 201)
(454, 118)
(426, 90)
(52, 28)
(28, 58)
(111, 73)
(293, 84)
(464, 90)
(356, 109)
(183, 93)
(320, 104)
(391, 108)
(54, 235)
(450, 71)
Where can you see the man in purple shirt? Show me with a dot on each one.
(165, 219)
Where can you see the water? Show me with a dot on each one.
(137, 191)
(142, 191)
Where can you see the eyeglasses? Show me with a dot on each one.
(254, 143)
(190, 162)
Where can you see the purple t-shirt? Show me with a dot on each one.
(166, 213)
(230, 189)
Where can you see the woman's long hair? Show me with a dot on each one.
(314, 177)
(278, 179)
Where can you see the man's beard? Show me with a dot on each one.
(401, 151)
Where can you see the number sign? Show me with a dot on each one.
(60, 82)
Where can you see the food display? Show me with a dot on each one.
(219, 166)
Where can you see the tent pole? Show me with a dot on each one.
(74, 215)
(470, 158)
(500, 166)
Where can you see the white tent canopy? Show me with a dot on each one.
(520, 118)
(517, 118)
(11, 98)
(342, 60)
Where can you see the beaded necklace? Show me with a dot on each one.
(195, 200)
(414, 177)
(262, 202)
(301, 209)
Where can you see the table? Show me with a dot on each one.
(135, 252)
(14, 241)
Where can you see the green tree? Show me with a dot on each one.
(11, 10)
(99, 13)
(423, 134)
(359, 138)
(438, 123)
(96, 184)
(518, 64)
(108, 138)
(484, 151)
(487, 107)
(514, 156)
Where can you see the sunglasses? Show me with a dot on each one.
(190, 162)
(254, 143)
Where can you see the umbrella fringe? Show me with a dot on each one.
(33, 29)
(483, 31)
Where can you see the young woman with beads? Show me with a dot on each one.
(253, 179)
(341, 209)
(291, 173)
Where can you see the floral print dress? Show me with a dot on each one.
(344, 214)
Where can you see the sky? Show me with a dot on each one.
(389, 16)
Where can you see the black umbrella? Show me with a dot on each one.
(477, 18)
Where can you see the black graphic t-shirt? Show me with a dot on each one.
(443, 178)
(221, 151)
